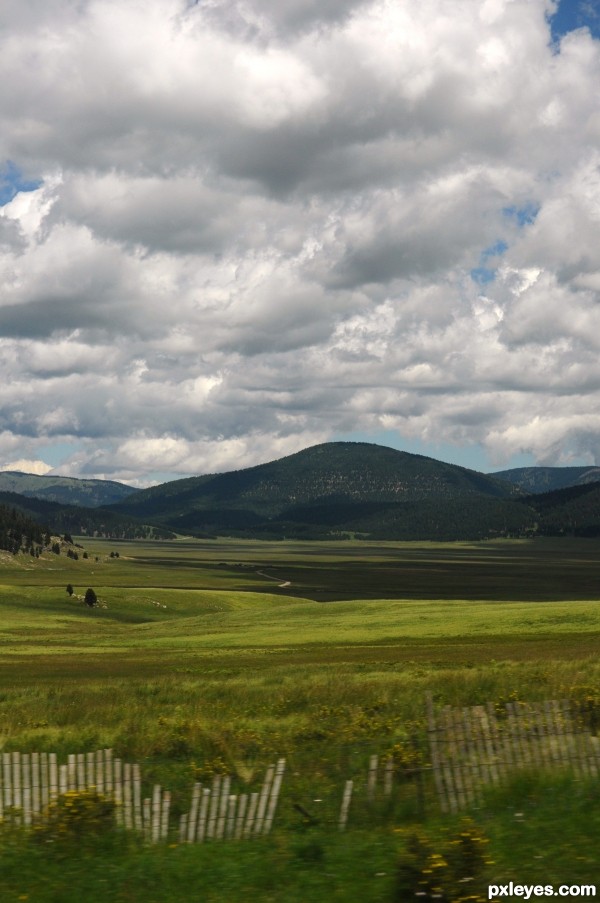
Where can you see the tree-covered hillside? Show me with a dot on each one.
(547, 479)
(337, 488)
(65, 490)
(17, 530)
(81, 521)
(568, 512)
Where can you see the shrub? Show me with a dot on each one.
(450, 869)
(77, 815)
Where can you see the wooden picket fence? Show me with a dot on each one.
(30, 782)
(379, 783)
(473, 747)
(217, 814)
(469, 749)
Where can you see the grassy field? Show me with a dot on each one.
(210, 655)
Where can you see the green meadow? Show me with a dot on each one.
(206, 656)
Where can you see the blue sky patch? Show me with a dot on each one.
(525, 215)
(12, 182)
(484, 274)
(573, 14)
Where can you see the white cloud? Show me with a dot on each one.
(22, 465)
(257, 225)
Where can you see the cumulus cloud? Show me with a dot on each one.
(22, 465)
(239, 228)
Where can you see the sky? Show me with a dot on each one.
(232, 229)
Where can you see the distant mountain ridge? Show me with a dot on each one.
(64, 490)
(76, 519)
(547, 479)
(331, 491)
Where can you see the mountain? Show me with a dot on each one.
(574, 511)
(75, 519)
(335, 489)
(65, 490)
(546, 479)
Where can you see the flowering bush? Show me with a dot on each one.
(78, 815)
(451, 870)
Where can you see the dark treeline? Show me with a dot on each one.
(18, 531)
(73, 519)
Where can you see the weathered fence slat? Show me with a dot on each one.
(16, 774)
(193, 814)
(372, 778)
(127, 796)
(274, 796)
(436, 761)
(249, 826)
(474, 747)
(156, 812)
(480, 756)
(343, 821)
(7, 780)
(388, 777)
(214, 806)
(451, 786)
(107, 786)
(166, 808)
(241, 813)
(183, 825)
(35, 784)
(202, 821)
(26, 785)
(461, 759)
(53, 774)
(223, 804)
(231, 807)
(118, 789)
(263, 798)
(137, 798)
(147, 818)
